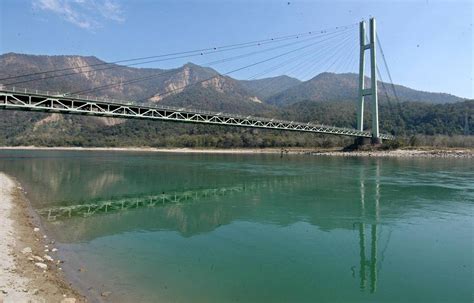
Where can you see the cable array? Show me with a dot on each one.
(236, 70)
(311, 51)
(309, 64)
(212, 63)
(169, 56)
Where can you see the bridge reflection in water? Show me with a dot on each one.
(123, 204)
(365, 213)
(173, 197)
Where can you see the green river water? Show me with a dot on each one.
(162, 227)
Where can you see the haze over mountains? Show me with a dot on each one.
(329, 97)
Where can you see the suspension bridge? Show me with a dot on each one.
(12, 98)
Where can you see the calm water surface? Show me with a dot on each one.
(256, 228)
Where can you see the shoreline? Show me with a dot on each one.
(29, 265)
(422, 152)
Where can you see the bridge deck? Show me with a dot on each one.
(29, 100)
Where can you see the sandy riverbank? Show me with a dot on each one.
(400, 153)
(29, 269)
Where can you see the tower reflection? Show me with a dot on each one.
(368, 266)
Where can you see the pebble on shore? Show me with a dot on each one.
(38, 258)
(26, 250)
(41, 265)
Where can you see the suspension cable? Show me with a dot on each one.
(294, 36)
(316, 57)
(165, 59)
(232, 71)
(174, 71)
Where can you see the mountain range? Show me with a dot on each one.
(198, 87)
(157, 85)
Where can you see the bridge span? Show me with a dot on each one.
(33, 100)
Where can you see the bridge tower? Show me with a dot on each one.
(372, 91)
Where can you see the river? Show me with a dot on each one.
(163, 227)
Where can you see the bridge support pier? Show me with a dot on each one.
(372, 91)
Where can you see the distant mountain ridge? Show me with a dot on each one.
(344, 87)
(158, 84)
(327, 98)
(267, 87)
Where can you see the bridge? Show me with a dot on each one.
(58, 103)
(64, 103)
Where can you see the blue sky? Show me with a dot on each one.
(428, 44)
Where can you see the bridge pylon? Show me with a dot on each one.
(372, 90)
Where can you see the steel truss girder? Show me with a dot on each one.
(29, 101)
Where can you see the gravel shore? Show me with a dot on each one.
(29, 270)
(400, 153)
(403, 153)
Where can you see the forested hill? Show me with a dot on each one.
(327, 98)
(268, 87)
(330, 86)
